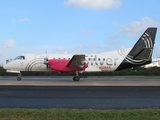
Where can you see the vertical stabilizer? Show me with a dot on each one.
(141, 53)
(144, 46)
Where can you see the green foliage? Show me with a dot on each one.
(78, 114)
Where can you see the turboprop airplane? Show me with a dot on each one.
(140, 54)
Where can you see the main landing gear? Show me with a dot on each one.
(76, 77)
(19, 77)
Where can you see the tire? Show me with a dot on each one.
(19, 78)
(76, 78)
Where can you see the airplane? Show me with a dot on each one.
(139, 55)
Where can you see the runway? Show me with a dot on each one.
(91, 81)
(79, 95)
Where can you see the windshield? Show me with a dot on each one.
(20, 58)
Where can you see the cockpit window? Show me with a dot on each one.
(20, 58)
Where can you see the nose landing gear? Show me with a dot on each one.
(19, 77)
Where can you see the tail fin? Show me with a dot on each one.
(141, 53)
(144, 46)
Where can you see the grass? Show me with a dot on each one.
(78, 114)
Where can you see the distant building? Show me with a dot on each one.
(155, 63)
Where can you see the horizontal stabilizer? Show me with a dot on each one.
(144, 54)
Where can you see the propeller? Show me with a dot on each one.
(46, 60)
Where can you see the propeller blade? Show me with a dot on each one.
(46, 60)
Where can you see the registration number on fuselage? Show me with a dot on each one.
(104, 67)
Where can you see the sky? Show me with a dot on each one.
(74, 26)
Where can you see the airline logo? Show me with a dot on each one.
(147, 40)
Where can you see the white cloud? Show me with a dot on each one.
(136, 28)
(59, 49)
(87, 31)
(94, 4)
(113, 40)
(25, 19)
(80, 48)
(13, 20)
(5, 47)
(9, 43)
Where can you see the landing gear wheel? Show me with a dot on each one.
(76, 78)
(19, 78)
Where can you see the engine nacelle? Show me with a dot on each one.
(60, 65)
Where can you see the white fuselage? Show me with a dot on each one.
(108, 61)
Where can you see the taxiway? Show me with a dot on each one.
(89, 93)
(91, 81)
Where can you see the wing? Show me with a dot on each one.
(76, 61)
